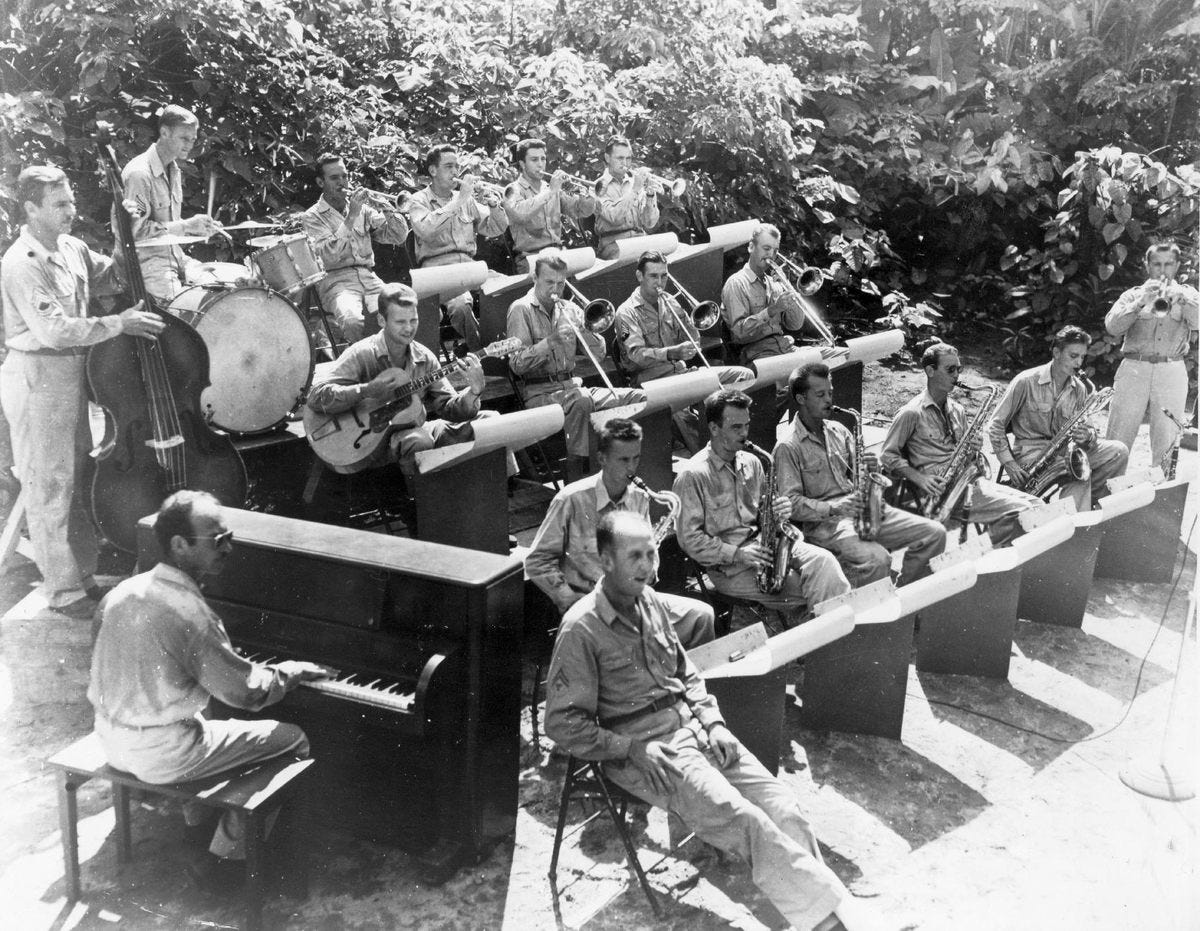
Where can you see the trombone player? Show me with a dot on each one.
(757, 306)
(657, 338)
(341, 225)
(537, 202)
(551, 329)
(628, 198)
(446, 217)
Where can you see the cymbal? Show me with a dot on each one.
(168, 240)
(253, 225)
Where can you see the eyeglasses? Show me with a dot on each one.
(219, 539)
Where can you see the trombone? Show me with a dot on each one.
(598, 317)
(703, 314)
(809, 281)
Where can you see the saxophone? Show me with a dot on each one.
(666, 524)
(1170, 459)
(868, 485)
(964, 466)
(776, 537)
(1047, 470)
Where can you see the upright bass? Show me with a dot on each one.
(157, 441)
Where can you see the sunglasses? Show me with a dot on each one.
(219, 539)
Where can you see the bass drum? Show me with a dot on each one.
(260, 356)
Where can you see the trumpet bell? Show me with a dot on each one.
(678, 187)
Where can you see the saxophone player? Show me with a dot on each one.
(563, 561)
(1035, 408)
(720, 491)
(818, 466)
(922, 440)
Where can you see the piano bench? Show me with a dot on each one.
(256, 791)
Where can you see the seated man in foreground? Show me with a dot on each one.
(661, 735)
(162, 653)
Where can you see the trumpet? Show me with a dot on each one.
(810, 280)
(598, 316)
(483, 186)
(1162, 300)
(398, 202)
(585, 186)
(677, 187)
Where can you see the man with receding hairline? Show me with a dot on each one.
(756, 307)
(661, 736)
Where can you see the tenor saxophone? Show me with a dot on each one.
(1048, 470)
(964, 465)
(867, 484)
(776, 537)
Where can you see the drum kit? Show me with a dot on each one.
(259, 347)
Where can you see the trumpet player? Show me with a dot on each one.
(656, 338)
(1158, 321)
(757, 307)
(563, 560)
(537, 202)
(1039, 402)
(341, 225)
(628, 198)
(921, 442)
(721, 490)
(550, 328)
(446, 217)
(818, 468)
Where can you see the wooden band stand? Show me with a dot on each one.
(436, 285)
(1143, 546)
(1055, 587)
(461, 490)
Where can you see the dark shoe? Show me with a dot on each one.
(201, 835)
(81, 609)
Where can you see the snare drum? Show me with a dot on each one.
(290, 265)
(260, 357)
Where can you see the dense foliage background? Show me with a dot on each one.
(1002, 163)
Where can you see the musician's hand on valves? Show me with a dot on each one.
(466, 186)
(781, 507)
(557, 180)
(295, 670)
(640, 177)
(846, 506)
(725, 746)
(656, 761)
(871, 461)
(750, 556)
(1015, 472)
(139, 322)
(1083, 433)
(926, 484)
(355, 202)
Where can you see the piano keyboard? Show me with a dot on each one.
(380, 693)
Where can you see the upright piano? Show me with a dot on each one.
(417, 739)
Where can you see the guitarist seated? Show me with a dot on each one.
(373, 370)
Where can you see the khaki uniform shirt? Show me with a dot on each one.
(535, 215)
(162, 652)
(718, 505)
(642, 334)
(744, 302)
(563, 561)
(922, 437)
(346, 245)
(46, 295)
(606, 664)
(1165, 336)
(812, 471)
(157, 189)
(340, 388)
(443, 226)
(621, 213)
(531, 323)
(1033, 411)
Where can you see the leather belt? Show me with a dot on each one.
(666, 701)
(547, 379)
(138, 727)
(1150, 357)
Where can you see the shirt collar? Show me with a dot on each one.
(603, 499)
(325, 206)
(1043, 374)
(164, 572)
(606, 611)
(639, 301)
(526, 185)
(39, 251)
(928, 401)
(154, 160)
(717, 464)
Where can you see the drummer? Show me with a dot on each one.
(152, 182)
(341, 226)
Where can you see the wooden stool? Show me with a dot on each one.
(256, 792)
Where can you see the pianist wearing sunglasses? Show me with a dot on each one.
(162, 653)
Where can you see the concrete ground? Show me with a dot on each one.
(1001, 808)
